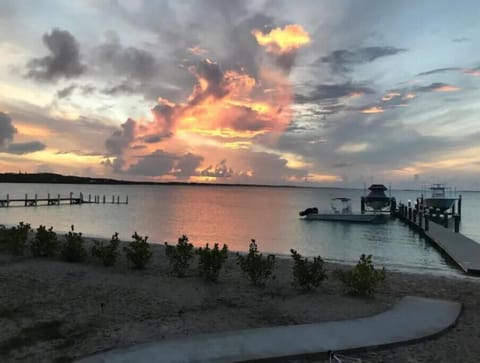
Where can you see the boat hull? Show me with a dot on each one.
(352, 218)
(439, 203)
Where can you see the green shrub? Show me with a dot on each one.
(138, 251)
(180, 256)
(363, 279)
(15, 238)
(211, 261)
(45, 243)
(72, 249)
(255, 267)
(307, 275)
(107, 253)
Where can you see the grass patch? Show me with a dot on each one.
(40, 332)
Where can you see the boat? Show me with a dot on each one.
(438, 200)
(341, 212)
(376, 198)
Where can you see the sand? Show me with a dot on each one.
(53, 311)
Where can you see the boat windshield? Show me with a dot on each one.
(342, 205)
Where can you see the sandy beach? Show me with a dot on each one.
(53, 311)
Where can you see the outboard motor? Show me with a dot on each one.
(308, 211)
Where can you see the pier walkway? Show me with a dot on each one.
(49, 200)
(462, 250)
(411, 319)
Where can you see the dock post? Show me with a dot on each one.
(89, 198)
(427, 221)
(457, 223)
(48, 198)
(118, 199)
(420, 220)
(126, 200)
(113, 199)
(445, 219)
(415, 215)
(103, 199)
(460, 207)
(81, 197)
(8, 200)
(453, 209)
(26, 197)
(58, 200)
(71, 195)
(409, 213)
(362, 205)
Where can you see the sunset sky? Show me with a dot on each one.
(272, 92)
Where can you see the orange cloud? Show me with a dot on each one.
(282, 41)
(409, 96)
(373, 109)
(472, 72)
(390, 95)
(446, 88)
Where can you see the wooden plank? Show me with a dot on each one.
(463, 250)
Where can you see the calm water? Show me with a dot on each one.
(234, 215)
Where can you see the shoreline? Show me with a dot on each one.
(59, 311)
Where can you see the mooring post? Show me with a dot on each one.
(427, 221)
(8, 200)
(113, 199)
(126, 200)
(409, 213)
(89, 198)
(58, 200)
(457, 223)
(415, 216)
(81, 197)
(445, 219)
(118, 199)
(71, 195)
(48, 198)
(362, 205)
(26, 197)
(420, 220)
(460, 207)
(35, 198)
(104, 199)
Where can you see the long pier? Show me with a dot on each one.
(49, 200)
(464, 251)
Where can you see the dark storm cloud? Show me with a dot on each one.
(439, 70)
(160, 163)
(7, 130)
(332, 91)
(21, 148)
(221, 170)
(343, 60)
(65, 92)
(130, 62)
(154, 138)
(64, 60)
(121, 139)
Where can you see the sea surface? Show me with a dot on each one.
(235, 214)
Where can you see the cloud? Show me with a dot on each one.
(129, 62)
(121, 88)
(439, 70)
(187, 164)
(65, 92)
(282, 41)
(64, 60)
(162, 163)
(121, 139)
(343, 60)
(461, 40)
(21, 148)
(438, 87)
(7, 130)
(221, 170)
(333, 91)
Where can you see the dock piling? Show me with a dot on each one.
(457, 223)
(460, 207)
(445, 219)
(427, 222)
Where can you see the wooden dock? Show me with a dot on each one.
(36, 201)
(464, 251)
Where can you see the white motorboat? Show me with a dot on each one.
(341, 212)
(438, 199)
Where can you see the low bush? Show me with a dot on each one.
(307, 275)
(107, 253)
(211, 261)
(138, 251)
(45, 242)
(15, 238)
(180, 256)
(255, 267)
(363, 279)
(73, 249)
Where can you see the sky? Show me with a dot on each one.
(314, 93)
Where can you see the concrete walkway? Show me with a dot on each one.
(411, 319)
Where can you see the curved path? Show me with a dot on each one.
(410, 319)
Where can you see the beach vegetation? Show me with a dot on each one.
(107, 253)
(138, 251)
(256, 268)
(73, 249)
(307, 274)
(211, 261)
(45, 243)
(15, 238)
(180, 256)
(363, 279)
